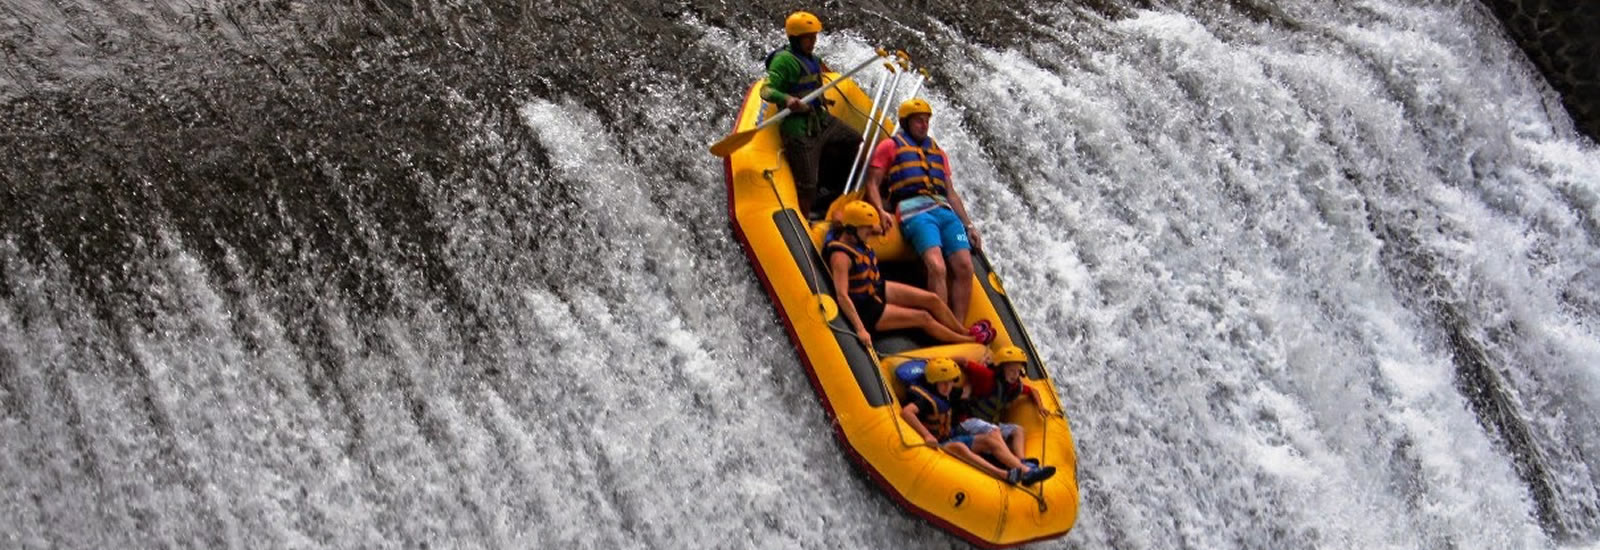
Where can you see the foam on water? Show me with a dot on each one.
(1255, 253)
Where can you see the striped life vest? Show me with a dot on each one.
(937, 421)
(866, 283)
(918, 169)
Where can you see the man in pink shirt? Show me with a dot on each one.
(914, 173)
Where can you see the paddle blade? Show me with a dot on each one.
(733, 142)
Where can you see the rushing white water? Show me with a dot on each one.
(1212, 203)
(1253, 252)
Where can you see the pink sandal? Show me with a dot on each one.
(982, 331)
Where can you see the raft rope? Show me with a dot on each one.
(1044, 440)
(815, 279)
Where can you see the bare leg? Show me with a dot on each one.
(898, 317)
(938, 278)
(960, 267)
(966, 455)
(992, 443)
(1016, 441)
(913, 297)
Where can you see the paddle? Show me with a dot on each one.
(738, 139)
(858, 166)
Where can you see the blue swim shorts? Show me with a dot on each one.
(939, 227)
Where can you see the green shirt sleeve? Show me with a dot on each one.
(782, 74)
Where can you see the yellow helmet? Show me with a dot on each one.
(915, 106)
(942, 369)
(1010, 354)
(859, 214)
(802, 22)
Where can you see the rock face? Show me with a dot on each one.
(1562, 37)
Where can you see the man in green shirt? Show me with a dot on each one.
(793, 72)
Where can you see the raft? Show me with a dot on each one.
(858, 388)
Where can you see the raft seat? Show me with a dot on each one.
(888, 362)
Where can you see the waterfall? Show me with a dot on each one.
(406, 274)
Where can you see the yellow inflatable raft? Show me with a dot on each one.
(858, 388)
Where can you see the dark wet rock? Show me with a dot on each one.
(1562, 38)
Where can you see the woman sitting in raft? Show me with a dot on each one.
(868, 301)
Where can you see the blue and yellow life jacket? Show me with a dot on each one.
(918, 169)
(937, 421)
(866, 283)
(808, 82)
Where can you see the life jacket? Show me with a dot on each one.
(866, 282)
(989, 407)
(937, 421)
(810, 81)
(917, 169)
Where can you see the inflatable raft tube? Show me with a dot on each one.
(857, 386)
